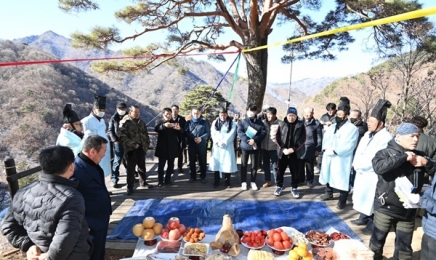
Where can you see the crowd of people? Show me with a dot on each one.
(66, 214)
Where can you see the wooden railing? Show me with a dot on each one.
(12, 176)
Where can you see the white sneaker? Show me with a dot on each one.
(244, 186)
(253, 186)
(295, 194)
(316, 170)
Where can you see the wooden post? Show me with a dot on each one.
(11, 170)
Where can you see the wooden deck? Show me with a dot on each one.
(181, 189)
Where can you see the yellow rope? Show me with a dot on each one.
(392, 19)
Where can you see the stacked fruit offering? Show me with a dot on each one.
(254, 239)
(147, 230)
(300, 252)
(279, 240)
(194, 235)
(173, 230)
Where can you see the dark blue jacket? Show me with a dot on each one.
(257, 124)
(92, 186)
(198, 129)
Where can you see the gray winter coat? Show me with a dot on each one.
(50, 214)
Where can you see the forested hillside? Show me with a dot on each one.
(386, 81)
(32, 98)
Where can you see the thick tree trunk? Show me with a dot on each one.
(257, 67)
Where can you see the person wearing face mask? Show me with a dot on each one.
(135, 139)
(223, 160)
(375, 139)
(251, 131)
(71, 135)
(114, 136)
(338, 144)
(399, 159)
(94, 124)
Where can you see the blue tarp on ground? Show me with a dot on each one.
(246, 215)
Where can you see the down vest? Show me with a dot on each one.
(389, 164)
(51, 215)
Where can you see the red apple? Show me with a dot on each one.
(174, 223)
(182, 229)
(164, 233)
(174, 234)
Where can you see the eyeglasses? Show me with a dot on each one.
(78, 124)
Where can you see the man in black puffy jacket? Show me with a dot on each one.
(47, 218)
(399, 159)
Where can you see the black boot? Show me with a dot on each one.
(227, 180)
(216, 182)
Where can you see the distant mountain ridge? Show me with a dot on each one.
(143, 85)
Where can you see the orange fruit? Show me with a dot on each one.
(309, 256)
(284, 236)
(278, 245)
(286, 244)
(277, 237)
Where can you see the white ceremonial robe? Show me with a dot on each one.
(223, 151)
(366, 179)
(71, 140)
(336, 168)
(93, 126)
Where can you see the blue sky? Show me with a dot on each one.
(21, 18)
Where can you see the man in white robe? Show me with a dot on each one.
(223, 159)
(338, 145)
(374, 140)
(94, 124)
(71, 134)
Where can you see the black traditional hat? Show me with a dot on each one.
(69, 115)
(344, 105)
(99, 102)
(381, 109)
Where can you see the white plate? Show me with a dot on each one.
(252, 247)
(187, 245)
(283, 250)
(319, 245)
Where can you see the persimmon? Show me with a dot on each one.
(278, 245)
(277, 237)
(284, 235)
(286, 244)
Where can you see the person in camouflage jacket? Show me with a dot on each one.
(135, 139)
